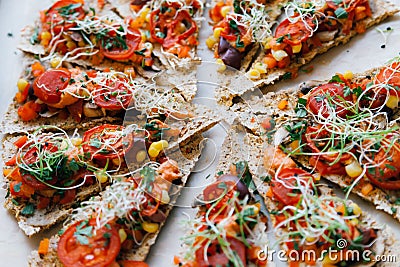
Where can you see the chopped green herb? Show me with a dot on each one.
(341, 13)
(29, 209)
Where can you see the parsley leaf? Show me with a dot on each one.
(29, 209)
(341, 13)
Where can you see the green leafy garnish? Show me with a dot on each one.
(29, 209)
(341, 13)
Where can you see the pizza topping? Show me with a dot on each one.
(48, 87)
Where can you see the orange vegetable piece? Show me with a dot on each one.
(21, 141)
(29, 111)
(12, 161)
(132, 264)
(37, 69)
(366, 189)
(283, 104)
(270, 61)
(44, 246)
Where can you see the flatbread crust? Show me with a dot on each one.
(381, 9)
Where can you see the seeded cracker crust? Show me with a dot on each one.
(186, 157)
(380, 11)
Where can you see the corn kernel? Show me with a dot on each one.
(144, 13)
(147, 19)
(392, 102)
(76, 141)
(122, 235)
(93, 40)
(266, 42)
(150, 227)
(143, 35)
(356, 209)
(21, 84)
(354, 222)
(330, 259)
(279, 54)
(255, 209)
(261, 67)
(217, 32)
(253, 74)
(141, 156)
(296, 48)
(153, 152)
(101, 177)
(354, 169)
(117, 161)
(348, 75)
(225, 10)
(165, 199)
(310, 239)
(221, 64)
(211, 41)
(81, 43)
(71, 45)
(160, 145)
(45, 35)
(55, 62)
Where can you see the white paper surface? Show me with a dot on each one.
(362, 53)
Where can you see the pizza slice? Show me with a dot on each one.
(124, 220)
(312, 28)
(172, 27)
(310, 223)
(230, 228)
(49, 170)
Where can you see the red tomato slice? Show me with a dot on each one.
(48, 86)
(113, 96)
(216, 256)
(294, 33)
(132, 41)
(391, 76)
(107, 142)
(286, 195)
(215, 190)
(102, 248)
(334, 94)
(63, 13)
(386, 174)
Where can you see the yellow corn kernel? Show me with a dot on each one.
(266, 42)
(71, 45)
(153, 152)
(354, 169)
(101, 177)
(150, 227)
(143, 35)
(45, 36)
(296, 48)
(122, 235)
(93, 40)
(253, 74)
(317, 176)
(356, 209)
(21, 84)
(165, 199)
(283, 104)
(55, 62)
(141, 156)
(354, 222)
(144, 13)
(330, 259)
(117, 161)
(279, 54)
(76, 141)
(221, 64)
(225, 10)
(160, 145)
(255, 208)
(310, 239)
(217, 32)
(81, 43)
(348, 75)
(261, 67)
(392, 102)
(211, 41)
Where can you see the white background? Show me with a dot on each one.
(362, 53)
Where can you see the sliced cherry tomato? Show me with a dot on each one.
(63, 13)
(294, 33)
(216, 256)
(151, 206)
(69, 196)
(169, 27)
(107, 142)
(216, 190)
(118, 51)
(101, 249)
(315, 135)
(281, 190)
(324, 168)
(386, 174)
(48, 86)
(327, 97)
(113, 96)
(390, 76)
